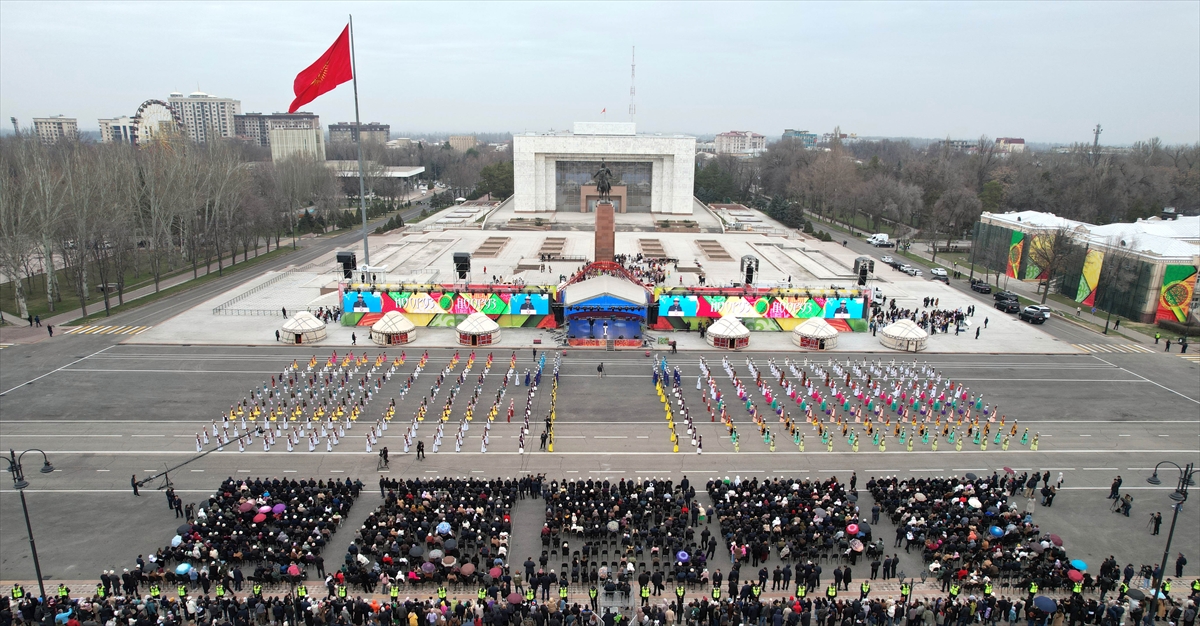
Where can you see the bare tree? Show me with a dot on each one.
(1049, 253)
(18, 231)
(953, 214)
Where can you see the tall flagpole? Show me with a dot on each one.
(362, 193)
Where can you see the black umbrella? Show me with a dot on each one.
(451, 544)
(864, 528)
(1136, 594)
(415, 551)
(852, 497)
(971, 476)
(183, 530)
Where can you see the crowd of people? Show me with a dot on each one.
(277, 527)
(439, 531)
(652, 521)
(970, 535)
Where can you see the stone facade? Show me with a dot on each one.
(672, 158)
(606, 237)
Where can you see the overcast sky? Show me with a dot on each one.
(1042, 71)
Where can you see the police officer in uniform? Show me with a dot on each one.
(18, 592)
(100, 590)
(987, 588)
(645, 594)
(530, 594)
(182, 591)
(680, 590)
(441, 591)
(562, 590)
(1033, 589)
(341, 591)
(64, 594)
(801, 591)
(155, 592)
(905, 590)
(592, 594)
(220, 591)
(481, 593)
(864, 589)
(831, 591)
(954, 589)
(716, 594)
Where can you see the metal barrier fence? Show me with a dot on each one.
(224, 307)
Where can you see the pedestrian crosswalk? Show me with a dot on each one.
(1126, 348)
(105, 330)
(4, 345)
(1194, 358)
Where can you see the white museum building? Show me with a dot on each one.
(651, 173)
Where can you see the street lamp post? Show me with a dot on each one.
(19, 483)
(1179, 496)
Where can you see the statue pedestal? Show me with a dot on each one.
(589, 196)
(605, 247)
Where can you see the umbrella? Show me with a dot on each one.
(264, 509)
(971, 476)
(996, 531)
(1037, 547)
(1136, 594)
(449, 561)
(856, 545)
(852, 497)
(681, 556)
(415, 551)
(613, 526)
(974, 503)
(863, 528)
(1075, 575)
(443, 528)
(436, 554)
(427, 567)
(819, 512)
(1079, 565)
(279, 508)
(919, 497)
(852, 529)
(494, 572)
(514, 598)
(260, 518)
(1009, 470)
(183, 568)
(468, 569)
(245, 506)
(1056, 540)
(183, 530)
(1045, 604)
(451, 544)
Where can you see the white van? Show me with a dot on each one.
(879, 240)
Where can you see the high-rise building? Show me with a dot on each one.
(117, 130)
(803, 136)
(347, 132)
(289, 142)
(257, 127)
(205, 117)
(56, 128)
(462, 143)
(740, 142)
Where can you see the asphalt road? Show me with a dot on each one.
(104, 411)
(131, 409)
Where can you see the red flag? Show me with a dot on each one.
(604, 110)
(329, 71)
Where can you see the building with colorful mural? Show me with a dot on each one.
(1145, 270)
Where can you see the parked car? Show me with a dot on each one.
(981, 286)
(1004, 295)
(1008, 306)
(912, 271)
(1035, 314)
(943, 278)
(886, 259)
(938, 271)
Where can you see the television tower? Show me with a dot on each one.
(632, 88)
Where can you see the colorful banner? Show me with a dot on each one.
(1015, 248)
(1178, 287)
(445, 308)
(1037, 243)
(1089, 277)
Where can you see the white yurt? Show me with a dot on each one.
(301, 329)
(728, 333)
(904, 335)
(478, 330)
(393, 329)
(815, 334)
